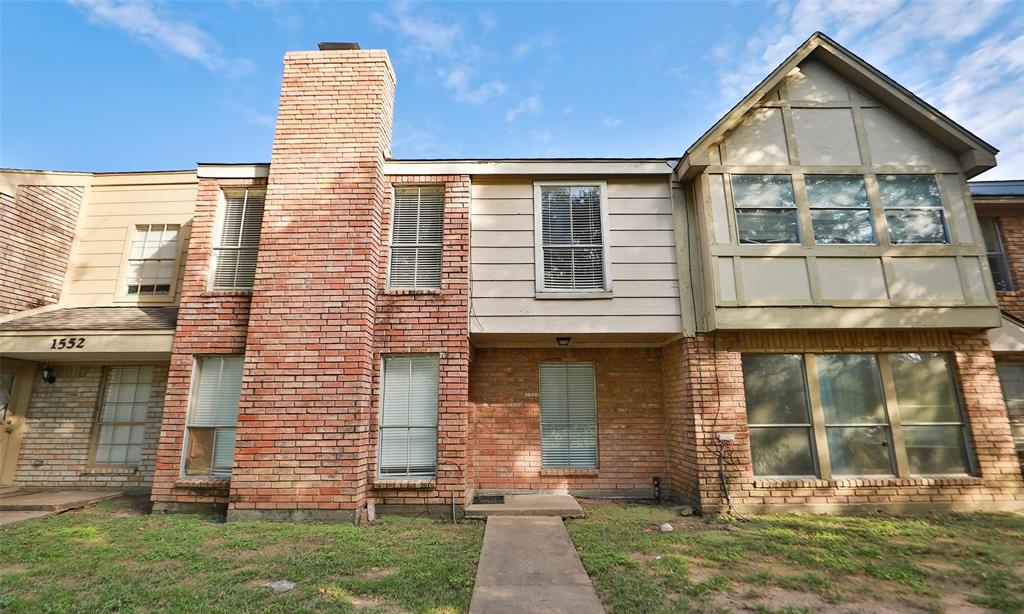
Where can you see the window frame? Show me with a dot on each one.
(190, 408)
(867, 208)
(408, 476)
(568, 423)
(1018, 441)
(1000, 253)
(216, 248)
(538, 243)
(391, 237)
(98, 423)
(796, 209)
(121, 293)
(941, 208)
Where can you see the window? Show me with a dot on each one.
(997, 262)
(213, 416)
(151, 260)
(572, 239)
(844, 427)
(840, 213)
(913, 208)
(121, 421)
(417, 230)
(779, 414)
(765, 209)
(239, 240)
(933, 427)
(568, 415)
(1011, 377)
(408, 417)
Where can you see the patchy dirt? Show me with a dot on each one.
(377, 574)
(779, 599)
(9, 568)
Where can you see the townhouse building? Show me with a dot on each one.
(809, 310)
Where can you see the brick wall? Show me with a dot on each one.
(208, 323)
(680, 383)
(57, 442)
(36, 228)
(303, 442)
(430, 322)
(504, 397)
(717, 402)
(1012, 228)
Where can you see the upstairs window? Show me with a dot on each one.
(572, 250)
(997, 261)
(913, 209)
(417, 234)
(213, 416)
(239, 240)
(765, 209)
(408, 417)
(151, 261)
(568, 415)
(840, 213)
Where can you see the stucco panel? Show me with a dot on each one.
(760, 139)
(826, 136)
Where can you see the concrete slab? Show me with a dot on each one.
(563, 506)
(12, 517)
(529, 565)
(54, 500)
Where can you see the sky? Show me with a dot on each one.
(121, 85)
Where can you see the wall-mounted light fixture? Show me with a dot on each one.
(563, 341)
(48, 375)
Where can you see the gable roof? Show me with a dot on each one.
(974, 154)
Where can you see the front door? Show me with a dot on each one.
(15, 388)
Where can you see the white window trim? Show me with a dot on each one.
(391, 235)
(186, 439)
(380, 420)
(218, 231)
(538, 244)
(121, 294)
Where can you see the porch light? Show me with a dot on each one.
(48, 375)
(563, 341)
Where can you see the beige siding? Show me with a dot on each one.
(642, 252)
(115, 205)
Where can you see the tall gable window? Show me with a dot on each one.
(417, 233)
(408, 417)
(840, 212)
(213, 415)
(568, 415)
(913, 209)
(572, 247)
(151, 262)
(997, 261)
(239, 240)
(765, 209)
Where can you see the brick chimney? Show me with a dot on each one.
(302, 447)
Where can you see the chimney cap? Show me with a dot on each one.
(337, 46)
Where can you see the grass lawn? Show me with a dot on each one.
(801, 563)
(114, 558)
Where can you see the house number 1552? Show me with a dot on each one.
(67, 343)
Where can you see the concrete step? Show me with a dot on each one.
(564, 506)
(55, 500)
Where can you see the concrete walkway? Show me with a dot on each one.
(528, 565)
(23, 504)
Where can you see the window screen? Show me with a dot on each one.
(121, 422)
(239, 240)
(913, 209)
(416, 237)
(1002, 279)
(408, 417)
(151, 262)
(840, 213)
(568, 415)
(213, 416)
(856, 421)
(572, 243)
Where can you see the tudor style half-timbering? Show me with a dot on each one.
(802, 312)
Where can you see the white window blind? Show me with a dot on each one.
(151, 261)
(568, 415)
(408, 420)
(213, 415)
(416, 237)
(239, 240)
(121, 423)
(572, 243)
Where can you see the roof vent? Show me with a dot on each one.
(338, 46)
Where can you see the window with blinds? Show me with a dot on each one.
(213, 416)
(417, 234)
(239, 240)
(408, 417)
(568, 415)
(572, 244)
(121, 421)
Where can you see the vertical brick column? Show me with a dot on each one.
(1012, 228)
(302, 447)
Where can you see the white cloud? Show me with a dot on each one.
(526, 106)
(153, 25)
(540, 135)
(611, 122)
(521, 50)
(248, 114)
(459, 79)
(425, 33)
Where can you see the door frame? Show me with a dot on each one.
(16, 418)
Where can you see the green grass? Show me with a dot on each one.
(113, 558)
(794, 563)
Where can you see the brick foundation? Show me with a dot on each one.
(55, 449)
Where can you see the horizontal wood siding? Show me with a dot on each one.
(645, 282)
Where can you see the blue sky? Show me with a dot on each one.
(135, 85)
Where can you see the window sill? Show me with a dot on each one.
(856, 482)
(110, 470)
(577, 471)
(226, 293)
(572, 295)
(202, 483)
(412, 291)
(406, 484)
